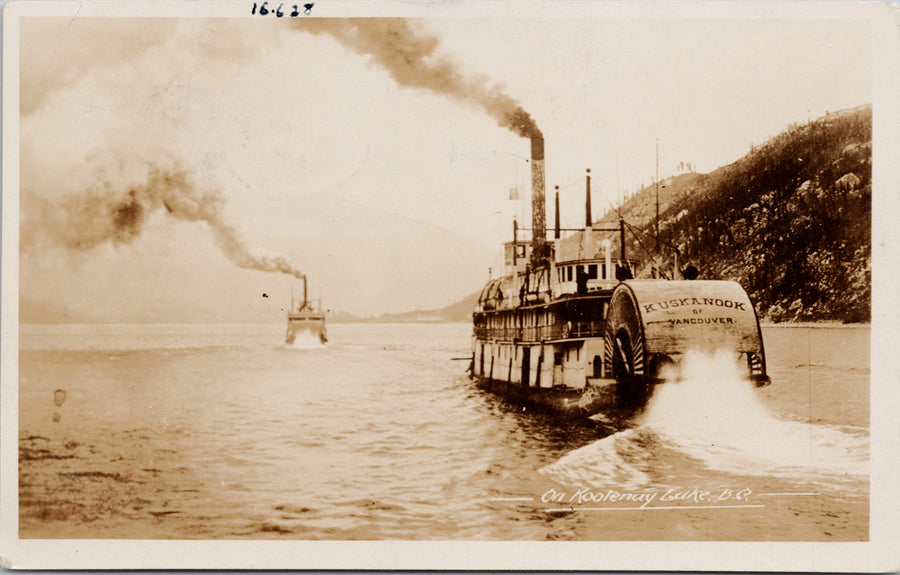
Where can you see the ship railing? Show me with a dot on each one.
(498, 333)
(564, 330)
(587, 329)
(560, 330)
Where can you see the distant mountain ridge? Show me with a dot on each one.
(460, 311)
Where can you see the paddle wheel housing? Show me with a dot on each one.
(651, 324)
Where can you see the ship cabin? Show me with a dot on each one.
(542, 325)
(579, 264)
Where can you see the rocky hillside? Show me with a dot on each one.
(790, 221)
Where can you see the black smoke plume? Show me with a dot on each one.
(408, 53)
(106, 215)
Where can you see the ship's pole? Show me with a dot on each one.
(622, 240)
(515, 242)
(304, 292)
(515, 270)
(609, 270)
(656, 225)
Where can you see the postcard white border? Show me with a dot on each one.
(881, 553)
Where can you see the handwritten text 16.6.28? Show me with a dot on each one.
(264, 10)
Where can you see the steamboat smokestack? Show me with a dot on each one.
(556, 220)
(538, 216)
(587, 201)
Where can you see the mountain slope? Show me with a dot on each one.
(790, 221)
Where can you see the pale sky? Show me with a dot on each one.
(389, 198)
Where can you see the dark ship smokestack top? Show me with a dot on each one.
(538, 215)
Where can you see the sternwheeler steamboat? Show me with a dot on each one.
(566, 328)
(305, 318)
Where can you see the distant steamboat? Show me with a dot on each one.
(305, 317)
(565, 328)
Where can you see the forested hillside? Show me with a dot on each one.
(790, 221)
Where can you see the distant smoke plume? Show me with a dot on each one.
(408, 54)
(106, 215)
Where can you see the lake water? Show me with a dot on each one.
(220, 431)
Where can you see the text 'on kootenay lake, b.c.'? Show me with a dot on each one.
(644, 499)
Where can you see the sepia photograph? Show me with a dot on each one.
(410, 285)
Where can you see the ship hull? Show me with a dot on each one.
(563, 377)
(601, 397)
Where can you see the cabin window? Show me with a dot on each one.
(592, 271)
(568, 273)
(558, 358)
(603, 273)
(577, 354)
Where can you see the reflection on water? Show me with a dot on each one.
(221, 431)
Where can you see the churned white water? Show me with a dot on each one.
(306, 340)
(714, 414)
